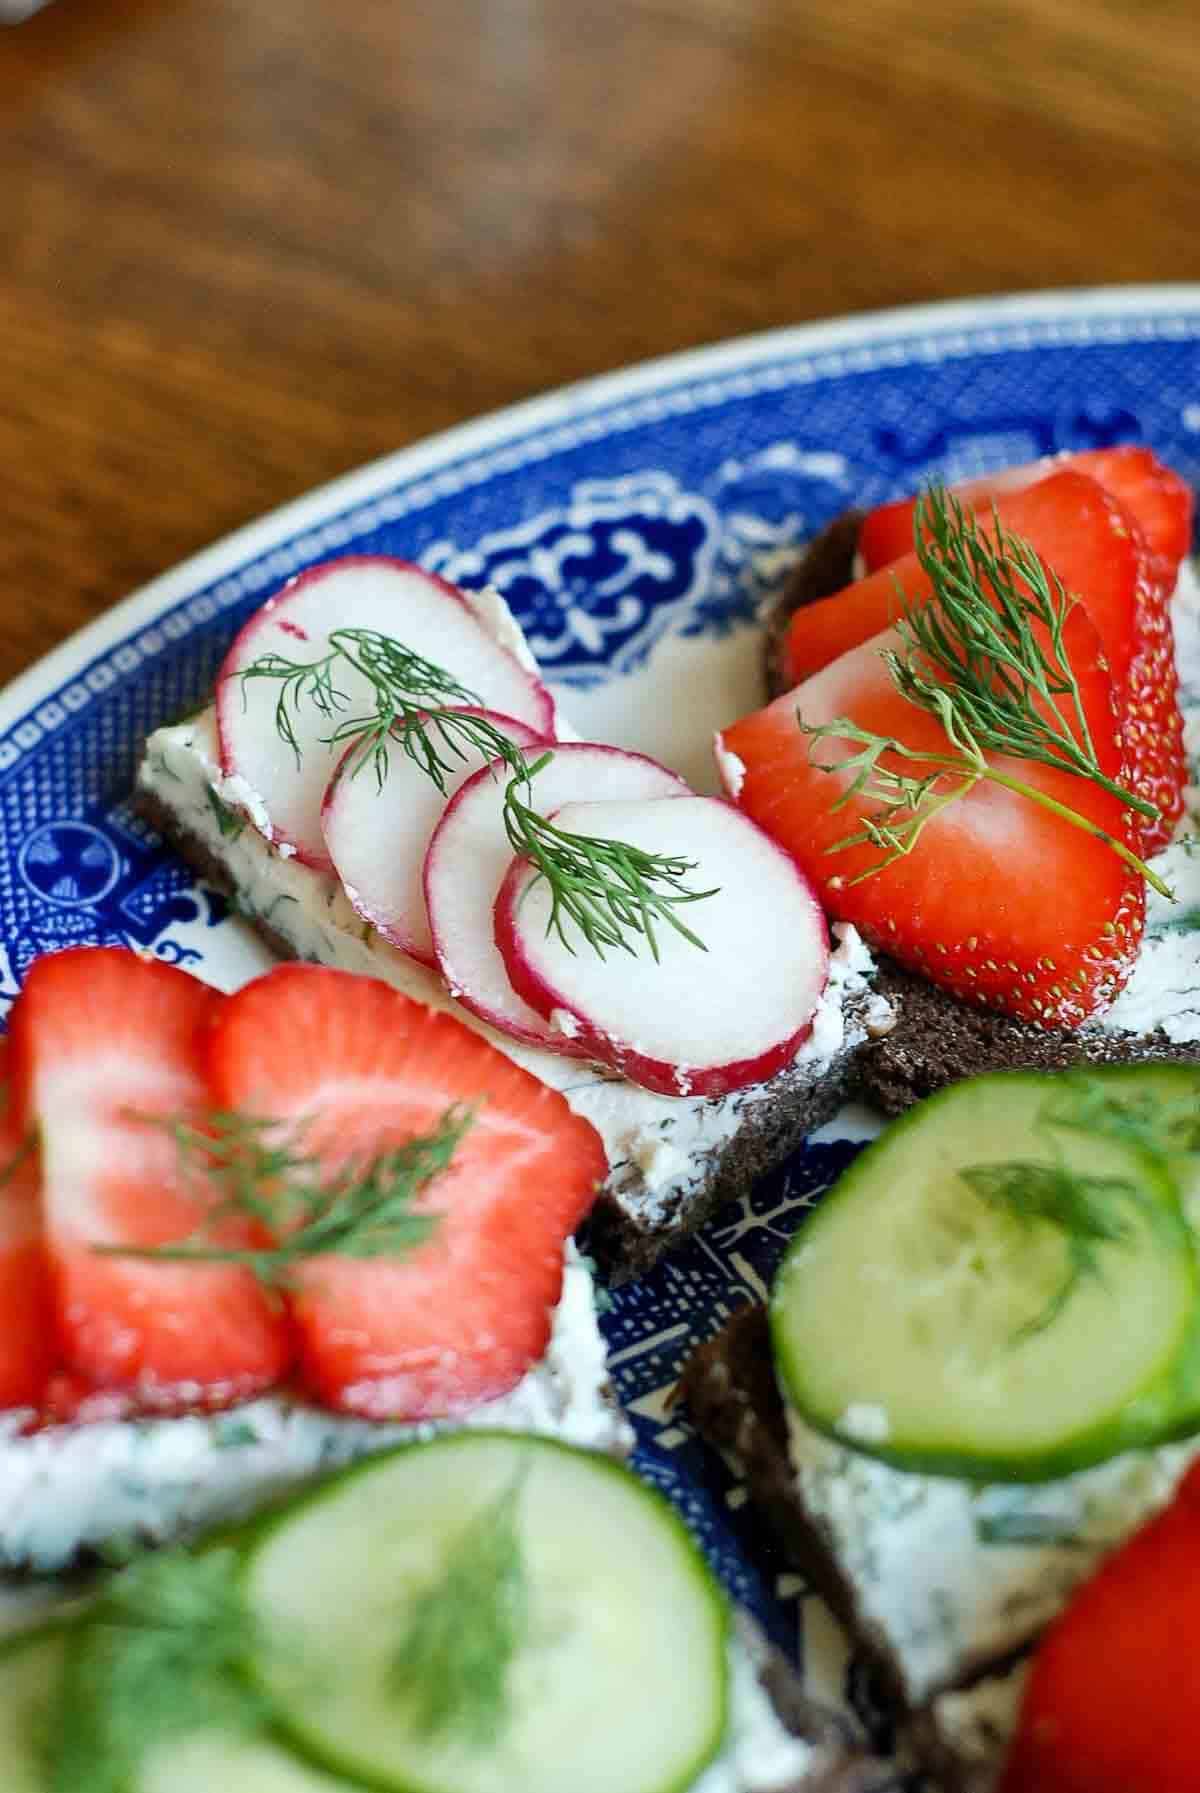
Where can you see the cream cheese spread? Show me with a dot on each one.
(70, 1487)
(947, 1575)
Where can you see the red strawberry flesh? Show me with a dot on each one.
(1157, 499)
(1112, 1704)
(26, 1319)
(458, 1319)
(104, 1048)
(1001, 902)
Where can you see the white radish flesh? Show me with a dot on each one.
(403, 602)
(377, 837)
(470, 854)
(696, 1023)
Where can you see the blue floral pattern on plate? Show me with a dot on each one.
(663, 505)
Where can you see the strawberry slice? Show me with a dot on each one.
(26, 1321)
(1157, 499)
(1071, 524)
(101, 1041)
(1000, 901)
(1112, 1704)
(461, 1316)
(1087, 537)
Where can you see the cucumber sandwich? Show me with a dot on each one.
(978, 1373)
(474, 1614)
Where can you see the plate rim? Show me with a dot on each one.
(937, 320)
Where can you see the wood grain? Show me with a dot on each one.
(246, 247)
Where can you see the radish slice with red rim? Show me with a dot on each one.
(377, 836)
(403, 602)
(470, 854)
(695, 1022)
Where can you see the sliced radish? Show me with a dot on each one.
(360, 592)
(377, 838)
(470, 853)
(694, 1023)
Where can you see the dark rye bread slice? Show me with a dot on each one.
(937, 1039)
(624, 1235)
(729, 1389)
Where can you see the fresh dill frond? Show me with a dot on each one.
(162, 1652)
(606, 888)
(614, 894)
(364, 1209)
(403, 685)
(1089, 1211)
(465, 1629)
(1143, 1117)
(986, 656)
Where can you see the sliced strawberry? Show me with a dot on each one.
(1072, 525)
(26, 1318)
(102, 1041)
(1157, 499)
(1000, 902)
(1112, 1704)
(461, 1317)
(1085, 535)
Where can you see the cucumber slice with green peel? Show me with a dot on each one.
(30, 1665)
(208, 1761)
(1155, 1108)
(31, 1669)
(998, 1325)
(467, 1614)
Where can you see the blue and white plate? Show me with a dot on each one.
(635, 524)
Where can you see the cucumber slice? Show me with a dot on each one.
(617, 1681)
(205, 1761)
(30, 1664)
(939, 1331)
(1155, 1108)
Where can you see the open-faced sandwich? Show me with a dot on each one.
(976, 753)
(459, 1615)
(977, 1377)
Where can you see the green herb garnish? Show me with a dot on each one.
(228, 821)
(363, 1210)
(162, 1653)
(986, 657)
(1164, 1127)
(466, 1628)
(611, 892)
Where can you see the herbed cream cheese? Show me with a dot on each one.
(948, 1575)
(69, 1487)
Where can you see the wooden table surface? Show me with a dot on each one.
(246, 245)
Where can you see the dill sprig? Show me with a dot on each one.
(1164, 1126)
(607, 889)
(466, 1627)
(404, 686)
(986, 657)
(364, 1209)
(162, 1652)
(1086, 1209)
